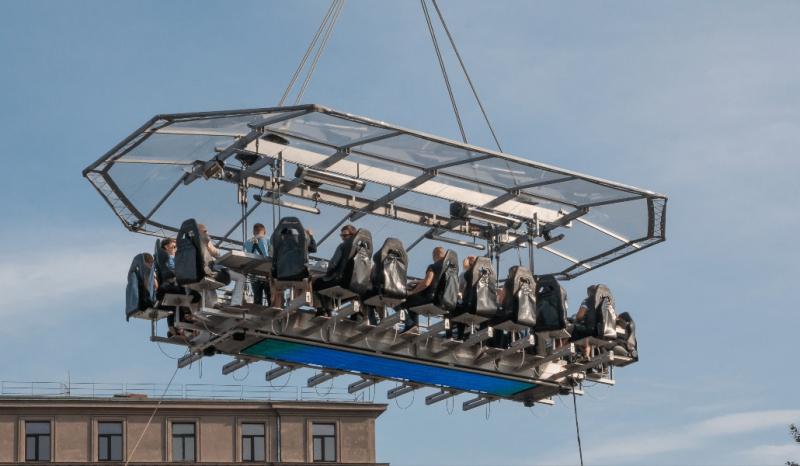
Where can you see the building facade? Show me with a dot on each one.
(83, 431)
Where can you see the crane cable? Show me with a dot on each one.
(311, 46)
(466, 74)
(321, 49)
(443, 69)
(577, 427)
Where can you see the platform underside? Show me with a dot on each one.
(533, 369)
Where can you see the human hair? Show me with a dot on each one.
(438, 252)
(148, 258)
(259, 227)
(166, 242)
(350, 229)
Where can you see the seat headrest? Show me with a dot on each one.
(392, 246)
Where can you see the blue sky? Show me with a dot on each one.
(697, 100)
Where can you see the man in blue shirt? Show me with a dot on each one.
(258, 245)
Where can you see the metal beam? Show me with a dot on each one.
(392, 195)
(607, 232)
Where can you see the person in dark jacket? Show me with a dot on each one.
(335, 268)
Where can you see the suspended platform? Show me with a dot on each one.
(221, 167)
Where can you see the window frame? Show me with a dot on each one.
(25, 435)
(195, 436)
(336, 430)
(98, 437)
(243, 436)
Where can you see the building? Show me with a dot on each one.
(85, 430)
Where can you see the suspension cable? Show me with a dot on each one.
(443, 69)
(466, 74)
(577, 428)
(155, 410)
(308, 52)
(321, 49)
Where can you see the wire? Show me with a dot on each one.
(443, 69)
(245, 376)
(155, 410)
(308, 52)
(466, 74)
(577, 427)
(321, 48)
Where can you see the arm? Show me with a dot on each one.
(581, 313)
(423, 284)
(311, 242)
(213, 250)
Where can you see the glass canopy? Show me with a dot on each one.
(202, 165)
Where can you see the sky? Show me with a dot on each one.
(696, 100)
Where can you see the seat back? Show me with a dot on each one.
(446, 294)
(358, 269)
(601, 316)
(551, 304)
(390, 272)
(519, 304)
(163, 272)
(289, 250)
(140, 293)
(481, 293)
(629, 340)
(192, 256)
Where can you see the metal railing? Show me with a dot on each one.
(178, 391)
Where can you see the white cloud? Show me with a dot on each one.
(45, 285)
(772, 454)
(686, 437)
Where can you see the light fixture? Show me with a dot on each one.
(462, 211)
(458, 242)
(267, 199)
(312, 176)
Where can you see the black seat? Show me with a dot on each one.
(140, 293)
(289, 250)
(351, 271)
(480, 295)
(626, 343)
(389, 274)
(551, 305)
(193, 262)
(600, 318)
(519, 303)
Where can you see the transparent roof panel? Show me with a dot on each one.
(136, 176)
(417, 151)
(503, 173)
(332, 130)
(578, 192)
(177, 148)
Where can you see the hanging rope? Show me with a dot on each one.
(149, 421)
(308, 52)
(577, 427)
(443, 69)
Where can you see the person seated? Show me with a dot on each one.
(424, 291)
(289, 247)
(595, 317)
(167, 284)
(140, 293)
(335, 267)
(257, 245)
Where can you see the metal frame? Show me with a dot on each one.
(517, 200)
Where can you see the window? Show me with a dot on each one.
(253, 442)
(109, 441)
(183, 444)
(323, 437)
(37, 441)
